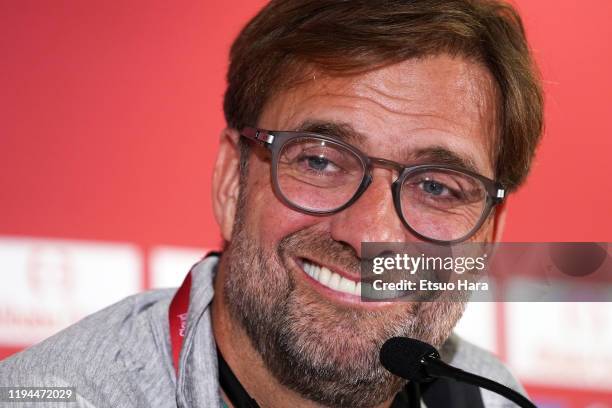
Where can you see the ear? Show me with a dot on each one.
(499, 221)
(226, 181)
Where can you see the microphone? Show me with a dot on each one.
(417, 362)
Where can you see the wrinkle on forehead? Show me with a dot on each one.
(459, 76)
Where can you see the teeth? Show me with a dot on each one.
(317, 273)
(347, 286)
(308, 268)
(332, 280)
(324, 276)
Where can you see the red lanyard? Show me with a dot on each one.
(177, 314)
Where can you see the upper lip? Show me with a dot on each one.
(355, 277)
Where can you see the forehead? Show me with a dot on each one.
(442, 101)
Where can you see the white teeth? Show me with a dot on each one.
(332, 280)
(308, 268)
(317, 273)
(347, 286)
(324, 276)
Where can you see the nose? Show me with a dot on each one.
(372, 218)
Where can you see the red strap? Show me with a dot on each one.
(177, 314)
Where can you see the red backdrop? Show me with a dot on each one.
(111, 111)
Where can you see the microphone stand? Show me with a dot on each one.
(437, 368)
(414, 394)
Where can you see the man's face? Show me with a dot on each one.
(319, 341)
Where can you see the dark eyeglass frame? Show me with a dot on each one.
(275, 141)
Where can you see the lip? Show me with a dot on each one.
(333, 295)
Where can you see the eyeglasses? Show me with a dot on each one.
(318, 175)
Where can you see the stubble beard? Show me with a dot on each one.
(327, 353)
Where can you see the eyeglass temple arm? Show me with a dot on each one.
(258, 135)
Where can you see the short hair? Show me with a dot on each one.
(345, 37)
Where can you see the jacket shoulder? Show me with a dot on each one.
(469, 357)
(102, 355)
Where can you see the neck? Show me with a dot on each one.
(244, 361)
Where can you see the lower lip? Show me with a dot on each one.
(336, 295)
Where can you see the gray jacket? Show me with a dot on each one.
(121, 356)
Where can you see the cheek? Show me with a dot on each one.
(265, 214)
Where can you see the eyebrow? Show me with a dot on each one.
(442, 155)
(338, 130)
(436, 154)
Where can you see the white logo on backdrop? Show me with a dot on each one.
(50, 284)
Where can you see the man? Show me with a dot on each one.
(348, 122)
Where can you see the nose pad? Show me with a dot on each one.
(369, 218)
(367, 181)
(395, 191)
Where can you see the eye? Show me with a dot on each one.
(433, 187)
(318, 163)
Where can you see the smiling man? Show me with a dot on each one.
(348, 122)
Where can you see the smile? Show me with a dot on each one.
(331, 280)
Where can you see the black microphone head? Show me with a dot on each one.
(404, 357)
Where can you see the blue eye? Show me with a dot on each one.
(433, 188)
(317, 162)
